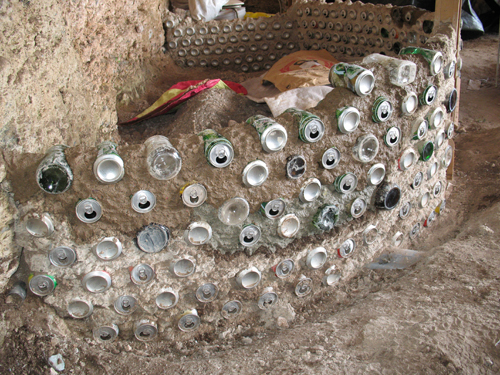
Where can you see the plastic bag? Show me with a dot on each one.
(301, 98)
(205, 10)
(301, 69)
(471, 24)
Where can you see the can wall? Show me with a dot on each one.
(345, 29)
(63, 68)
(220, 260)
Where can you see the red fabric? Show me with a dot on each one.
(171, 105)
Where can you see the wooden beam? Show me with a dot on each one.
(448, 11)
(451, 168)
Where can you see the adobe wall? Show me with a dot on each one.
(223, 257)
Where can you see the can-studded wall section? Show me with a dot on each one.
(347, 30)
(247, 225)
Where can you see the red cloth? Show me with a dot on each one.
(190, 89)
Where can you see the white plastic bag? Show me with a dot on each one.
(301, 98)
(205, 10)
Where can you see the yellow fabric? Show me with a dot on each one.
(221, 85)
(257, 15)
(167, 95)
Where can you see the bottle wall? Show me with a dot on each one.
(222, 259)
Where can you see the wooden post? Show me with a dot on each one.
(450, 11)
(449, 171)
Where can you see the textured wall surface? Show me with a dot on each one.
(347, 30)
(222, 258)
(62, 65)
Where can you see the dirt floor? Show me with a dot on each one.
(440, 316)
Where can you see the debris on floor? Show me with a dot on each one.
(56, 361)
(474, 84)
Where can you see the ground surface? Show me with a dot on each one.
(440, 316)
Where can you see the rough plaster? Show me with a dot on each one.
(220, 260)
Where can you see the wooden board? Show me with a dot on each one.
(450, 11)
